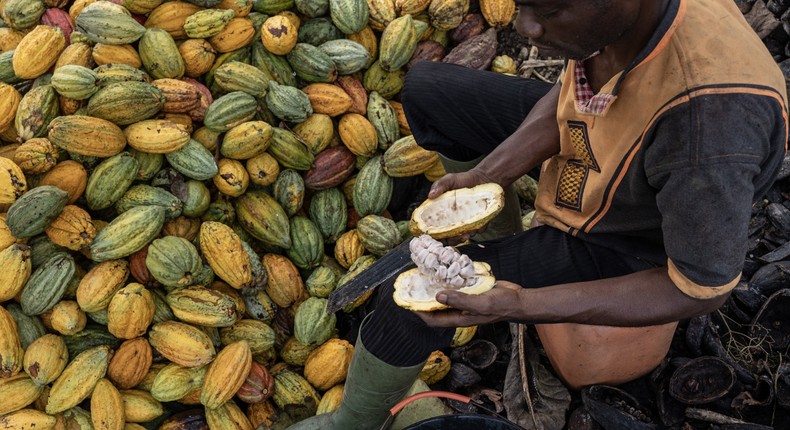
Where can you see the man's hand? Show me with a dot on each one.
(501, 303)
(453, 181)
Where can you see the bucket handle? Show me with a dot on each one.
(441, 394)
(402, 404)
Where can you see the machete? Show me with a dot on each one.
(389, 265)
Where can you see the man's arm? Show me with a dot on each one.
(535, 140)
(638, 299)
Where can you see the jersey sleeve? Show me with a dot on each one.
(709, 160)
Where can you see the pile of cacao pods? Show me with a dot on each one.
(183, 183)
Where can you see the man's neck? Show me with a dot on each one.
(617, 56)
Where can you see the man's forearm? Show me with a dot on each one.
(535, 140)
(639, 299)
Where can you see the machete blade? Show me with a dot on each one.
(389, 265)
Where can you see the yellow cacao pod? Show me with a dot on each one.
(38, 51)
(116, 54)
(17, 391)
(72, 229)
(328, 364)
(16, 262)
(130, 312)
(130, 363)
(70, 176)
(358, 134)
(78, 379)
(140, 406)
(107, 407)
(278, 35)
(182, 343)
(28, 419)
(226, 374)
(224, 252)
(67, 318)
(100, 284)
(9, 102)
(11, 352)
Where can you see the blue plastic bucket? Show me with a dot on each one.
(464, 421)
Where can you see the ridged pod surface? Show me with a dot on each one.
(203, 306)
(106, 404)
(227, 416)
(372, 189)
(16, 263)
(106, 22)
(86, 135)
(182, 343)
(350, 16)
(11, 352)
(223, 250)
(72, 229)
(328, 364)
(284, 286)
(130, 312)
(46, 358)
(36, 110)
(35, 210)
(125, 103)
(38, 51)
(18, 391)
(79, 378)
(398, 43)
(226, 374)
(293, 392)
(406, 158)
(263, 217)
(307, 243)
(159, 55)
(127, 233)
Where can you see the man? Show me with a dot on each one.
(669, 122)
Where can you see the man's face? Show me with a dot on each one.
(575, 28)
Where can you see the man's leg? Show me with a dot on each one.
(464, 114)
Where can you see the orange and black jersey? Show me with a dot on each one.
(667, 159)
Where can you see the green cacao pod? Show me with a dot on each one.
(288, 103)
(350, 16)
(329, 212)
(349, 56)
(31, 213)
(312, 324)
(106, 22)
(128, 233)
(307, 243)
(124, 103)
(261, 216)
(286, 148)
(110, 179)
(384, 119)
(312, 64)
(142, 194)
(36, 110)
(47, 284)
(229, 111)
(237, 76)
(378, 234)
(75, 82)
(193, 161)
(398, 43)
(173, 261)
(372, 189)
(289, 191)
(159, 54)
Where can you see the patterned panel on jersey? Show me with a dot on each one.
(574, 174)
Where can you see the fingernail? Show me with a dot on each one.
(441, 298)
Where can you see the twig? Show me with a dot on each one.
(528, 66)
(711, 417)
(522, 362)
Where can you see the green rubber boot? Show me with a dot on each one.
(508, 221)
(372, 387)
